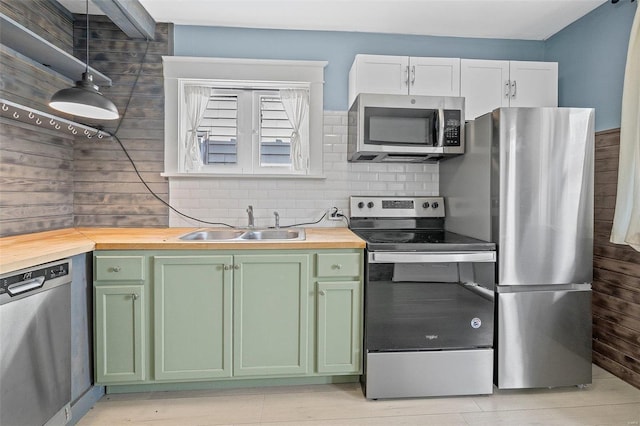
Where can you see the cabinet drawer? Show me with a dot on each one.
(119, 268)
(339, 264)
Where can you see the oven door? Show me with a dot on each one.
(429, 301)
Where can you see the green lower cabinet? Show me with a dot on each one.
(192, 317)
(165, 317)
(338, 327)
(271, 302)
(119, 333)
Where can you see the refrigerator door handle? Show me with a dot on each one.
(542, 287)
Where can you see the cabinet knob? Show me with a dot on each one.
(236, 267)
(323, 293)
(227, 267)
(134, 296)
(116, 269)
(337, 266)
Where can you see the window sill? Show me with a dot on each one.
(240, 176)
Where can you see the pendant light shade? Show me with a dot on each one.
(84, 100)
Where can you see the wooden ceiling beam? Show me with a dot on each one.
(130, 16)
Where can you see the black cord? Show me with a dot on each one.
(114, 135)
(157, 197)
(304, 223)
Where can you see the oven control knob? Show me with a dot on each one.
(425, 205)
(434, 204)
(370, 204)
(360, 205)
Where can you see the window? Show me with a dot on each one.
(218, 130)
(267, 126)
(246, 129)
(276, 132)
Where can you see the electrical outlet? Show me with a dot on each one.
(335, 214)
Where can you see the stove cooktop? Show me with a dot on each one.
(419, 240)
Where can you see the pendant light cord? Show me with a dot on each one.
(87, 43)
(135, 169)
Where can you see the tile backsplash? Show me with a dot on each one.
(299, 200)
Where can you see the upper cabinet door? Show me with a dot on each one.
(378, 74)
(434, 76)
(404, 75)
(485, 86)
(533, 84)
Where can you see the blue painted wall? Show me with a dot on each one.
(591, 55)
(339, 49)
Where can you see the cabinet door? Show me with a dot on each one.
(192, 317)
(434, 76)
(271, 298)
(338, 324)
(485, 86)
(119, 333)
(534, 84)
(378, 74)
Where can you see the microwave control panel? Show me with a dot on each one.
(452, 127)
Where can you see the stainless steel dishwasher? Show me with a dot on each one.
(35, 345)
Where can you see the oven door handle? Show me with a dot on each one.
(439, 257)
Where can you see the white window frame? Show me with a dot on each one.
(229, 72)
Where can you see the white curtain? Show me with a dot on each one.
(196, 99)
(626, 222)
(296, 105)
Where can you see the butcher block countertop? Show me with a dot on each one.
(23, 251)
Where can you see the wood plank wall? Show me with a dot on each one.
(44, 17)
(107, 190)
(616, 275)
(36, 179)
(36, 163)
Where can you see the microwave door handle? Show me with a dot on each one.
(434, 130)
(440, 130)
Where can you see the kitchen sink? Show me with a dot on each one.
(245, 235)
(274, 234)
(212, 235)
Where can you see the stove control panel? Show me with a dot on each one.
(396, 207)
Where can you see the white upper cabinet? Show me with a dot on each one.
(402, 75)
(488, 84)
(533, 84)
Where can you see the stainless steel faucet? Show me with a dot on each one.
(277, 219)
(250, 214)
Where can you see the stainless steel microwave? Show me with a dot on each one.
(405, 128)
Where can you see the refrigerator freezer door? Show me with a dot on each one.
(543, 339)
(542, 195)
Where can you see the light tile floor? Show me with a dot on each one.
(608, 401)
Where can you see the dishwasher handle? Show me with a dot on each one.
(25, 286)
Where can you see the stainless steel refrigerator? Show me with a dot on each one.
(525, 182)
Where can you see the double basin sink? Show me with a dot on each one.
(292, 234)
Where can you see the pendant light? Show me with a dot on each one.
(84, 99)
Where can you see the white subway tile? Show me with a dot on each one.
(300, 200)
